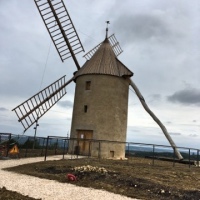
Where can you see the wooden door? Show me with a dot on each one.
(84, 146)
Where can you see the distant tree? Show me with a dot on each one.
(29, 144)
(53, 145)
(9, 143)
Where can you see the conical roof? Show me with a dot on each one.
(105, 62)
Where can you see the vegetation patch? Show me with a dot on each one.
(136, 178)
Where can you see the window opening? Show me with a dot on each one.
(85, 108)
(87, 85)
(112, 153)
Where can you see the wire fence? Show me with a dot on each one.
(88, 148)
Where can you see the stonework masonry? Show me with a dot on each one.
(100, 113)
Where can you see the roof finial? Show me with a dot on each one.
(108, 22)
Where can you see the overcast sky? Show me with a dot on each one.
(161, 45)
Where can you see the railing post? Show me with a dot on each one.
(174, 156)
(72, 148)
(56, 146)
(99, 153)
(89, 153)
(8, 145)
(77, 150)
(128, 151)
(189, 158)
(128, 154)
(67, 145)
(153, 153)
(25, 155)
(43, 146)
(47, 143)
(64, 149)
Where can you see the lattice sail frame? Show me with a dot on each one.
(35, 107)
(60, 27)
(115, 46)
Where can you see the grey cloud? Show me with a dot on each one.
(65, 104)
(154, 98)
(193, 135)
(143, 27)
(172, 133)
(2, 109)
(24, 52)
(135, 131)
(147, 33)
(189, 96)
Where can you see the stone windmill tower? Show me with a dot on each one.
(101, 102)
(102, 85)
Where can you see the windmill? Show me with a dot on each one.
(102, 86)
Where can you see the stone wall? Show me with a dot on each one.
(102, 109)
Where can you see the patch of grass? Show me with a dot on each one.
(136, 178)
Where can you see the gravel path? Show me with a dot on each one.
(48, 189)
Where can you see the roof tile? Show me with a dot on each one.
(104, 61)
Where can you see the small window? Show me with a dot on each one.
(85, 108)
(112, 153)
(87, 85)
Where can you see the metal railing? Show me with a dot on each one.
(54, 145)
(132, 150)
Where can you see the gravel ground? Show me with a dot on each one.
(48, 189)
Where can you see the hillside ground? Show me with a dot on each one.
(136, 177)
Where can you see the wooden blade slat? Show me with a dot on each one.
(115, 46)
(35, 107)
(52, 11)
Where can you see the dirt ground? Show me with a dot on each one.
(10, 195)
(136, 178)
